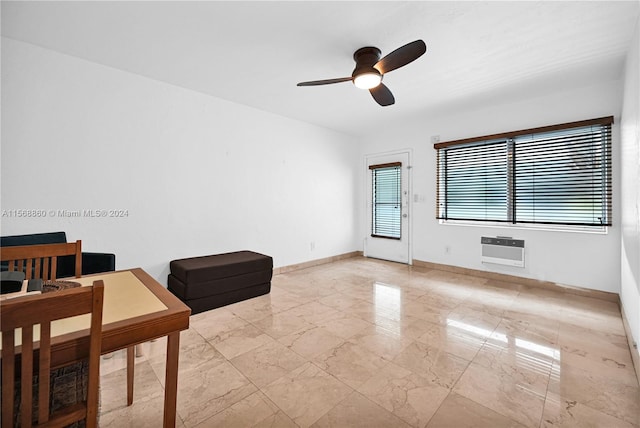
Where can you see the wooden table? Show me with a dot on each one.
(136, 309)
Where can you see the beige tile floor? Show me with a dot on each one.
(367, 343)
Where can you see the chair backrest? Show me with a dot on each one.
(33, 239)
(25, 312)
(41, 261)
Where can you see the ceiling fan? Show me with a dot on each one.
(370, 69)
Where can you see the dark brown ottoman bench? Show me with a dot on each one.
(209, 282)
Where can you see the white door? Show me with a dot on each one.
(388, 207)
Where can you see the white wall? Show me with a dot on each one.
(198, 175)
(630, 150)
(577, 259)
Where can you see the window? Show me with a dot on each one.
(386, 206)
(558, 174)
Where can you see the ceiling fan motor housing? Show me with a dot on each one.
(365, 59)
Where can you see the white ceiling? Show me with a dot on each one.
(254, 53)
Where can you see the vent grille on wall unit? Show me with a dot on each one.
(503, 250)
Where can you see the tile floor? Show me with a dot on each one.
(368, 343)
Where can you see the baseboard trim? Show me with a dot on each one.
(529, 282)
(635, 352)
(316, 262)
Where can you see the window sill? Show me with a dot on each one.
(604, 230)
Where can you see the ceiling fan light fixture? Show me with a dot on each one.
(370, 69)
(368, 80)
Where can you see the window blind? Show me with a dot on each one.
(473, 182)
(559, 174)
(386, 206)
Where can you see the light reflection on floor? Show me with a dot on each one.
(388, 304)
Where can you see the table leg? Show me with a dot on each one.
(131, 363)
(171, 380)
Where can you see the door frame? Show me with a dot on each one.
(367, 190)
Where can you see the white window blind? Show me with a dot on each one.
(559, 174)
(474, 182)
(386, 206)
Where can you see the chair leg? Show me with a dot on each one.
(131, 363)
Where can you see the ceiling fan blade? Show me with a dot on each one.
(401, 56)
(325, 82)
(382, 95)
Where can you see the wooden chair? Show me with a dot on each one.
(25, 312)
(41, 261)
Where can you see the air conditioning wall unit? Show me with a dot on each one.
(502, 250)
